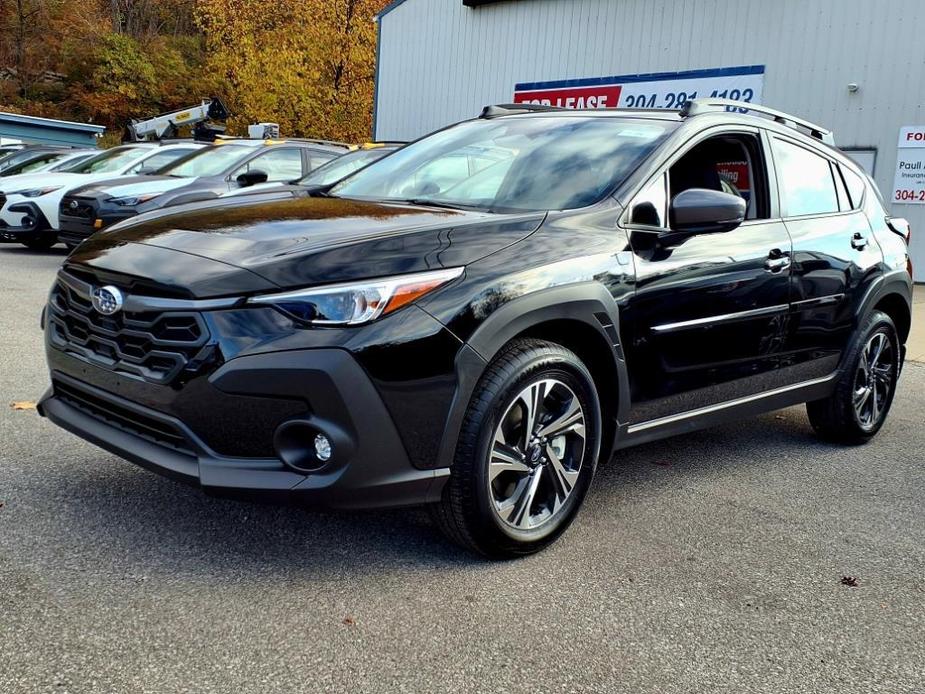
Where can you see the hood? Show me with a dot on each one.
(42, 180)
(124, 186)
(37, 180)
(309, 241)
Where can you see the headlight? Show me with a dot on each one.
(36, 192)
(133, 200)
(357, 302)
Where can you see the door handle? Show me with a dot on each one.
(777, 262)
(859, 241)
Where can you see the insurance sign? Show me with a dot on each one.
(909, 182)
(654, 90)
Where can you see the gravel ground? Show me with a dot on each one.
(712, 562)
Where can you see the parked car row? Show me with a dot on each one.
(53, 195)
(477, 319)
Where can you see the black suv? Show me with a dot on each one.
(202, 175)
(476, 320)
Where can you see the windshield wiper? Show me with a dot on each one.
(427, 202)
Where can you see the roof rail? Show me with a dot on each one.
(316, 141)
(497, 110)
(698, 106)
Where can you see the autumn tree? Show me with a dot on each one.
(23, 28)
(306, 64)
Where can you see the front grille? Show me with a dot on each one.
(149, 428)
(155, 346)
(76, 207)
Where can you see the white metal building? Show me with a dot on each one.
(855, 66)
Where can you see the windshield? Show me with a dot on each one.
(109, 161)
(36, 163)
(211, 161)
(536, 163)
(71, 163)
(343, 166)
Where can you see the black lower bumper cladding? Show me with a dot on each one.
(36, 224)
(369, 468)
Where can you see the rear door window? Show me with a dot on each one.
(805, 179)
(279, 164)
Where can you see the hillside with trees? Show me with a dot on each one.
(306, 64)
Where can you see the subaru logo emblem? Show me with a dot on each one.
(107, 300)
(73, 204)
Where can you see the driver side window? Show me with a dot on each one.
(731, 164)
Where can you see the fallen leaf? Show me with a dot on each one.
(22, 405)
(850, 581)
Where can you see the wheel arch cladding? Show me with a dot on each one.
(897, 307)
(583, 318)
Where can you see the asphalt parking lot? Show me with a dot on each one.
(748, 558)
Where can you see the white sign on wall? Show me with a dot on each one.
(909, 184)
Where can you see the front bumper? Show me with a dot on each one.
(369, 469)
(80, 217)
(20, 221)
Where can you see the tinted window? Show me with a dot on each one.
(319, 158)
(282, 164)
(805, 181)
(537, 163)
(36, 163)
(649, 207)
(211, 161)
(72, 163)
(844, 203)
(855, 187)
(111, 160)
(161, 159)
(343, 166)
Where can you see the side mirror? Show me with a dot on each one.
(703, 211)
(252, 177)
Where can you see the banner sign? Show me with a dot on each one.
(909, 183)
(656, 90)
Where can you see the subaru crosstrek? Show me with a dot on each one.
(478, 319)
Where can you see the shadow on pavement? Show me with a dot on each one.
(136, 521)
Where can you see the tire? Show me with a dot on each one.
(40, 243)
(506, 498)
(856, 410)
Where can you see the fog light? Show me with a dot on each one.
(322, 447)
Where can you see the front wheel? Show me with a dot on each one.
(862, 398)
(526, 453)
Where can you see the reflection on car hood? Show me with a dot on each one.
(124, 186)
(307, 241)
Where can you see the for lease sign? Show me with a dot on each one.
(652, 90)
(909, 183)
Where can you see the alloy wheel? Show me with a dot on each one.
(874, 380)
(536, 455)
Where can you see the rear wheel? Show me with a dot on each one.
(861, 401)
(41, 243)
(526, 453)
